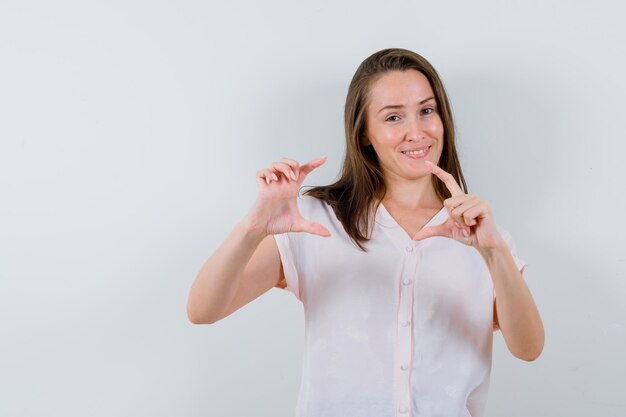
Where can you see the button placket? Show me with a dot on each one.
(410, 251)
(404, 330)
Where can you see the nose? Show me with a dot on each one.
(415, 129)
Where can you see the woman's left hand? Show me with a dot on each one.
(470, 218)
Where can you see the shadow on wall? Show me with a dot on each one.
(520, 144)
(305, 120)
(505, 131)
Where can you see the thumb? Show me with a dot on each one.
(314, 228)
(430, 231)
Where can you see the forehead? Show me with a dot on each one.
(400, 87)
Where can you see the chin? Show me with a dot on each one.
(416, 174)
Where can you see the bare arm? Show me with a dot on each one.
(246, 265)
(517, 314)
(471, 222)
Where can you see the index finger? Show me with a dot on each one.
(447, 179)
(311, 165)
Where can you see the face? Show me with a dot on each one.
(403, 124)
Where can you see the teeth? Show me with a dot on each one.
(416, 152)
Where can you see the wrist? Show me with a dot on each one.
(493, 252)
(252, 228)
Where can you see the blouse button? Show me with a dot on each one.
(404, 366)
(403, 410)
(405, 323)
(406, 281)
(409, 248)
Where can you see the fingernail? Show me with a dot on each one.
(465, 233)
(293, 176)
(275, 177)
(267, 180)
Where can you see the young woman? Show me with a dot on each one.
(396, 265)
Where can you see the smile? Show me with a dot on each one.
(417, 154)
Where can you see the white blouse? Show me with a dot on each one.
(403, 330)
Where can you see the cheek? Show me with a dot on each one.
(388, 132)
(435, 127)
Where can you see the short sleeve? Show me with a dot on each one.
(520, 262)
(298, 249)
(287, 251)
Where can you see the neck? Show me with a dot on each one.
(411, 195)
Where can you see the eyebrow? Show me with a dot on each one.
(399, 106)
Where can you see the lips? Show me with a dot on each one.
(417, 153)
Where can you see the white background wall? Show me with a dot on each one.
(130, 134)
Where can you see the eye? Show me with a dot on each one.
(391, 117)
(428, 108)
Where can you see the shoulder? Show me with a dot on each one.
(306, 199)
(310, 205)
(506, 235)
(510, 242)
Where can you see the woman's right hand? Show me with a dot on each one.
(276, 208)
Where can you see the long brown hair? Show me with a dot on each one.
(361, 181)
